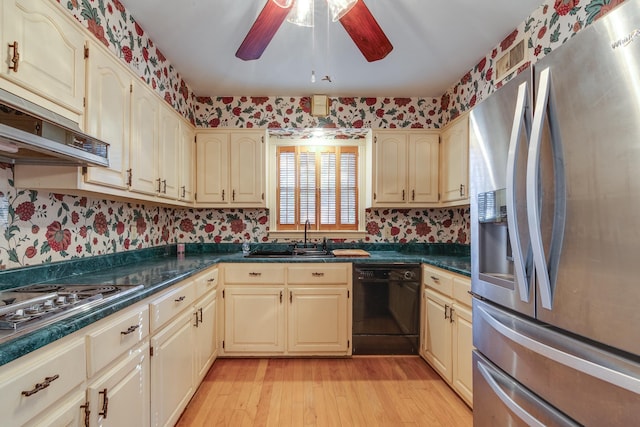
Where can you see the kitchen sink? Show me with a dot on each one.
(291, 253)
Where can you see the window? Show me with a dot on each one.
(318, 184)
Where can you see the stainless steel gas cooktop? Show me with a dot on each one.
(28, 308)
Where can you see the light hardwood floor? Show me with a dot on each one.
(360, 391)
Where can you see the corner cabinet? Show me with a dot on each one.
(447, 340)
(230, 168)
(405, 168)
(454, 164)
(43, 55)
(304, 309)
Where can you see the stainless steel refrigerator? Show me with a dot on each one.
(555, 235)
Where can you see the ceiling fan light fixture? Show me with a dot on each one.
(302, 13)
(339, 8)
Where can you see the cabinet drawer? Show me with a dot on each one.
(311, 274)
(36, 381)
(206, 282)
(461, 289)
(115, 336)
(171, 304)
(438, 280)
(254, 274)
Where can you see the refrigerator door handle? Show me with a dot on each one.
(545, 272)
(506, 400)
(522, 116)
(537, 345)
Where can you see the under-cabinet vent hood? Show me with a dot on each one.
(30, 134)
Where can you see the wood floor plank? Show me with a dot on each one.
(359, 391)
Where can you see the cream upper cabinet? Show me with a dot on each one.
(454, 176)
(187, 163)
(108, 115)
(145, 152)
(405, 168)
(212, 167)
(230, 168)
(43, 55)
(170, 141)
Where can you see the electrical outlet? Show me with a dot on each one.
(133, 232)
(387, 233)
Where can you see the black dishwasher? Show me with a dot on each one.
(386, 308)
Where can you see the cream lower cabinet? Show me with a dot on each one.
(65, 413)
(120, 396)
(205, 335)
(283, 309)
(447, 340)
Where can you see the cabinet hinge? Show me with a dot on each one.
(84, 101)
(375, 139)
(262, 139)
(223, 293)
(195, 196)
(86, 52)
(348, 294)
(150, 351)
(348, 343)
(223, 344)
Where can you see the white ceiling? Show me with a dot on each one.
(435, 43)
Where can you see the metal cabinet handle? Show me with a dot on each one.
(200, 311)
(184, 191)
(130, 330)
(280, 297)
(435, 278)
(254, 274)
(446, 309)
(41, 386)
(164, 186)
(159, 182)
(451, 310)
(180, 299)
(15, 59)
(315, 274)
(233, 195)
(290, 296)
(197, 320)
(129, 177)
(462, 189)
(413, 195)
(223, 195)
(105, 403)
(403, 195)
(87, 413)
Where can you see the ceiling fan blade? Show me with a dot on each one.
(262, 30)
(366, 33)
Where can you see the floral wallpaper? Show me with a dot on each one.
(38, 228)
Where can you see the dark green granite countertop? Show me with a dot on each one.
(159, 268)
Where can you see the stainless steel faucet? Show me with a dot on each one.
(307, 224)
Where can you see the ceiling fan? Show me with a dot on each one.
(354, 16)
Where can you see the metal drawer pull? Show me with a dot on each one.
(180, 299)
(15, 59)
(41, 386)
(254, 274)
(105, 403)
(435, 279)
(317, 274)
(211, 280)
(130, 330)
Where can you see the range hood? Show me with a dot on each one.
(30, 134)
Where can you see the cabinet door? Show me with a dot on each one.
(144, 154)
(438, 335)
(455, 161)
(318, 320)
(51, 52)
(68, 412)
(423, 163)
(205, 335)
(212, 167)
(390, 169)
(254, 320)
(172, 375)
(108, 114)
(169, 141)
(462, 348)
(247, 168)
(120, 397)
(187, 162)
